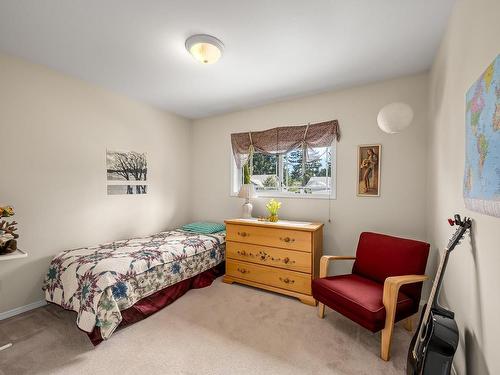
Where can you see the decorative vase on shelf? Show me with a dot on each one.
(8, 243)
(273, 206)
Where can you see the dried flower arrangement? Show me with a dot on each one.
(8, 239)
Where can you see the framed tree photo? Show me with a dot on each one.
(369, 170)
(126, 172)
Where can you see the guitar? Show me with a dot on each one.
(436, 339)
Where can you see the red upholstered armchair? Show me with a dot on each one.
(383, 288)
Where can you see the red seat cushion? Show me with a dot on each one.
(359, 299)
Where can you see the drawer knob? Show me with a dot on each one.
(286, 280)
(242, 270)
(243, 234)
(286, 260)
(244, 253)
(287, 239)
(263, 256)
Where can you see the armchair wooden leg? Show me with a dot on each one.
(409, 323)
(385, 346)
(321, 310)
(390, 303)
(390, 300)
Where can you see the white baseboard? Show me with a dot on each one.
(20, 310)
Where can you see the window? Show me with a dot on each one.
(296, 161)
(287, 174)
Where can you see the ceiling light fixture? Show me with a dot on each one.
(204, 48)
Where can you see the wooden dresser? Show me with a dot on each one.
(282, 257)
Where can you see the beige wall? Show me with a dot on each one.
(399, 210)
(54, 131)
(472, 280)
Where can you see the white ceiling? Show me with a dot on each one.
(274, 49)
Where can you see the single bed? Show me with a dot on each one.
(104, 283)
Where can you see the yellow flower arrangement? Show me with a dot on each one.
(273, 206)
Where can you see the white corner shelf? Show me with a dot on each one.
(6, 346)
(15, 255)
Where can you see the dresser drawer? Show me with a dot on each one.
(284, 279)
(269, 256)
(274, 237)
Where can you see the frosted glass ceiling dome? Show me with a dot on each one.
(205, 48)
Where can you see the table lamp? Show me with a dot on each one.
(247, 191)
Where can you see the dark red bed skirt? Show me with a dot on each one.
(157, 301)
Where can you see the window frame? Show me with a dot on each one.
(236, 176)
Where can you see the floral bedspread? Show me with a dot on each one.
(97, 282)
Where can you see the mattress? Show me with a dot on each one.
(100, 281)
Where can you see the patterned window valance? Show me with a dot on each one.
(284, 139)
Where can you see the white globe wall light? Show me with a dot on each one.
(395, 117)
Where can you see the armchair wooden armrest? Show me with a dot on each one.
(390, 300)
(323, 272)
(326, 259)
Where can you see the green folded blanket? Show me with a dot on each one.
(204, 227)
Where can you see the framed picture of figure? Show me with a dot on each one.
(369, 170)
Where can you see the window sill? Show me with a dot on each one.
(292, 196)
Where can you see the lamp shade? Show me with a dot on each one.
(247, 191)
(395, 117)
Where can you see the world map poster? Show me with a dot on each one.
(482, 138)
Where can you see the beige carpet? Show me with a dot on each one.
(222, 329)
